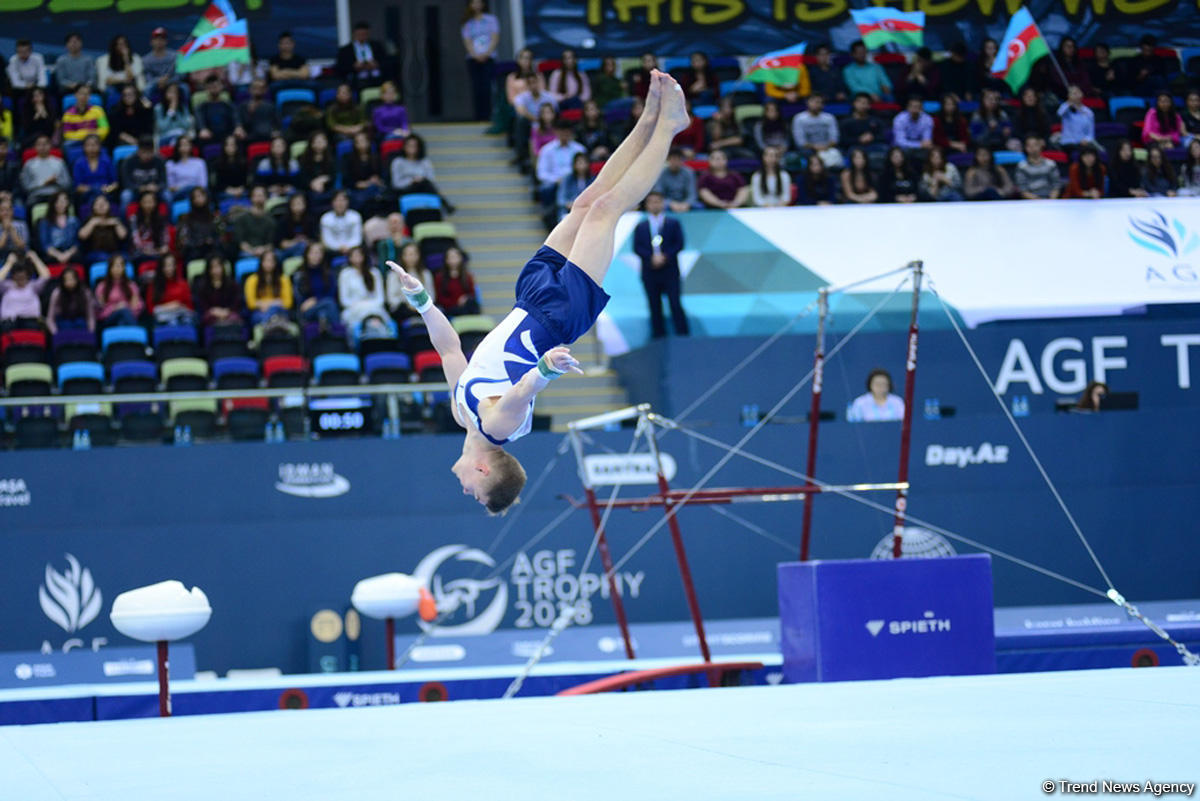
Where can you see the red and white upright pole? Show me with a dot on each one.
(814, 418)
(910, 380)
(164, 692)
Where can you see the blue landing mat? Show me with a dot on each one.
(980, 737)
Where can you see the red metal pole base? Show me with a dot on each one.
(606, 561)
(164, 695)
(390, 628)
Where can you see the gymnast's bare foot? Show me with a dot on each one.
(653, 97)
(674, 109)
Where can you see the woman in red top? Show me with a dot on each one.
(169, 298)
(1086, 178)
(117, 296)
(149, 234)
(455, 285)
(950, 126)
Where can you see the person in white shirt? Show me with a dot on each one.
(27, 68)
(360, 289)
(877, 404)
(341, 226)
(554, 163)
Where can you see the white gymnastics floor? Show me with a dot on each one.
(988, 737)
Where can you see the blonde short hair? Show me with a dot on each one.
(507, 481)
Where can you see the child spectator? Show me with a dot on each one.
(410, 259)
(158, 66)
(912, 129)
(316, 288)
(117, 298)
(950, 127)
(341, 226)
(362, 172)
(593, 134)
(863, 76)
(360, 289)
(229, 173)
(94, 173)
(149, 239)
(1163, 126)
(857, 184)
(896, 182)
(878, 404)
(199, 231)
(390, 118)
(185, 170)
(455, 286)
(940, 180)
(817, 188)
(677, 183)
(723, 129)
(606, 86)
(861, 128)
(345, 117)
(171, 116)
(169, 298)
(1037, 176)
(268, 291)
(58, 231)
(20, 291)
(257, 117)
(215, 115)
(1078, 121)
(1086, 176)
(217, 300)
(120, 66)
(816, 132)
(772, 130)
(45, 174)
(1189, 175)
(14, 233)
(571, 86)
(71, 305)
(73, 68)
(990, 124)
(719, 188)
(253, 227)
(84, 119)
(771, 185)
(296, 228)
(103, 234)
(1158, 179)
(278, 171)
(39, 116)
(699, 81)
(985, 180)
(132, 118)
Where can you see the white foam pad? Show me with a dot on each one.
(163, 611)
(389, 595)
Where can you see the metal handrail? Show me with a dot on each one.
(219, 394)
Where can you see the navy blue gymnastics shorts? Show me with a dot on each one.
(559, 295)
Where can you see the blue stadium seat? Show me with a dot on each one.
(232, 202)
(243, 268)
(133, 369)
(1006, 157)
(327, 96)
(838, 109)
(99, 269)
(122, 152)
(344, 147)
(69, 101)
(387, 361)
(327, 362)
(299, 95)
(932, 106)
(179, 208)
(419, 201)
(704, 112)
(676, 63)
(731, 87)
(234, 365)
(174, 333)
(1115, 104)
(77, 370)
(72, 152)
(620, 105)
(123, 333)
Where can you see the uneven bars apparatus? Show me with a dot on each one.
(910, 377)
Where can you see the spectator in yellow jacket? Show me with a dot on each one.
(83, 119)
(793, 93)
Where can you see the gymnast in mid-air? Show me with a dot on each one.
(558, 298)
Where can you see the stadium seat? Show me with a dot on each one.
(174, 333)
(180, 208)
(336, 369)
(343, 149)
(242, 269)
(428, 366)
(21, 346)
(471, 329)
(416, 336)
(99, 269)
(200, 415)
(388, 368)
(1006, 157)
(74, 345)
(390, 148)
(139, 421)
(95, 419)
(81, 378)
(704, 112)
(28, 380)
(291, 264)
(278, 343)
(230, 203)
(747, 112)
(295, 96)
(134, 376)
(440, 230)
(327, 96)
(235, 372)
(36, 432)
(122, 152)
(257, 150)
(30, 152)
(36, 212)
(285, 371)
(247, 418)
(123, 333)
(1127, 109)
(185, 375)
(369, 95)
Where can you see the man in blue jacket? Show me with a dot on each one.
(657, 240)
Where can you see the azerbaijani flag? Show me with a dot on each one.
(1022, 46)
(219, 38)
(780, 67)
(879, 26)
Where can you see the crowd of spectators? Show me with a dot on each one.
(862, 129)
(256, 195)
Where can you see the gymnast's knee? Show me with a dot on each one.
(607, 208)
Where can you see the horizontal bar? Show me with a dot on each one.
(220, 394)
(615, 416)
(833, 290)
(745, 494)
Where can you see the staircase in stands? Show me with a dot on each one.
(499, 226)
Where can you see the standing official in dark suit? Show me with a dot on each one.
(657, 240)
(361, 63)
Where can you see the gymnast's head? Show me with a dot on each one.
(493, 477)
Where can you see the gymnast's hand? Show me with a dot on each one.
(409, 283)
(561, 361)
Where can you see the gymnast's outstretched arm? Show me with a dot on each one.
(441, 333)
(506, 416)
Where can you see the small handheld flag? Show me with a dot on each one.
(218, 39)
(781, 67)
(879, 26)
(1023, 45)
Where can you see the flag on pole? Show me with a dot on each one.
(1022, 46)
(879, 26)
(780, 67)
(219, 38)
